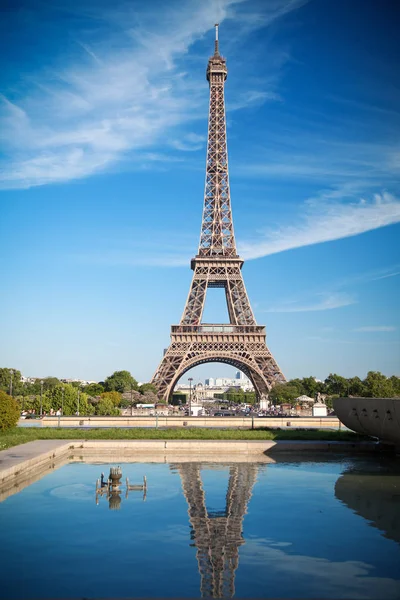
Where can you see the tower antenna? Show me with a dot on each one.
(216, 39)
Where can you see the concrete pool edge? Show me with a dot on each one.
(21, 460)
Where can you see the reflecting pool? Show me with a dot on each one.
(295, 528)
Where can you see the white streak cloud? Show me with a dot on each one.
(326, 221)
(127, 91)
(375, 328)
(326, 301)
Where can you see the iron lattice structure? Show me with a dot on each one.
(217, 535)
(241, 343)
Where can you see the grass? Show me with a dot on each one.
(21, 435)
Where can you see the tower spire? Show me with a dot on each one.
(216, 52)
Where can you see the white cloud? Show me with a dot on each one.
(386, 276)
(340, 579)
(325, 221)
(123, 93)
(346, 162)
(375, 328)
(189, 142)
(326, 301)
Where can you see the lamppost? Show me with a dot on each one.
(190, 379)
(131, 399)
(62, 401)
(11, 380)
(41, 397)
(77, 412)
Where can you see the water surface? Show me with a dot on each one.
(294, 529)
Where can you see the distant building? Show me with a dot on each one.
(214, 385)
(80, 381)
(28, 379)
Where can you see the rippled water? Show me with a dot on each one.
(294, 529)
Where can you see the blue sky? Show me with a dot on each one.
(103, 126)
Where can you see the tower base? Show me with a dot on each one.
(242, 346)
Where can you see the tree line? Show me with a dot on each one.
(375, 385)
(119, 390)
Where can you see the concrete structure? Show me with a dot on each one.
(196, 409)
(379, 417)
(319, 410)
(184, 421)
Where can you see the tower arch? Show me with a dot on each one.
(244, 364)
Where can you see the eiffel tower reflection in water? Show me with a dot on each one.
(217, 535)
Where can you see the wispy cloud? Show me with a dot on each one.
(122, 94)
(325, 301)
(325, 221)
(375, 328)
(386, 275)
(345, 162)
(358, 578)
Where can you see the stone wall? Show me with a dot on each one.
(379, 417)
(182, 421)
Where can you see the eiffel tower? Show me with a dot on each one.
(241, 343)
(217, 536)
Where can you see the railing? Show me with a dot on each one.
(258, 329)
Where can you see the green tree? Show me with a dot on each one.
(234, 394)
(378, 385)
(336, 385)
(356, 387)
(310, 386)
(94, 389)
(283, 393)
(9, 411)
(5, 379)
(106, 407)
(298, 383)
(34, 387)
(114, 397)
(120, 381)
(395, 384)
(250, 398)
(53, 399)
(147, 387)
(50, 383)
